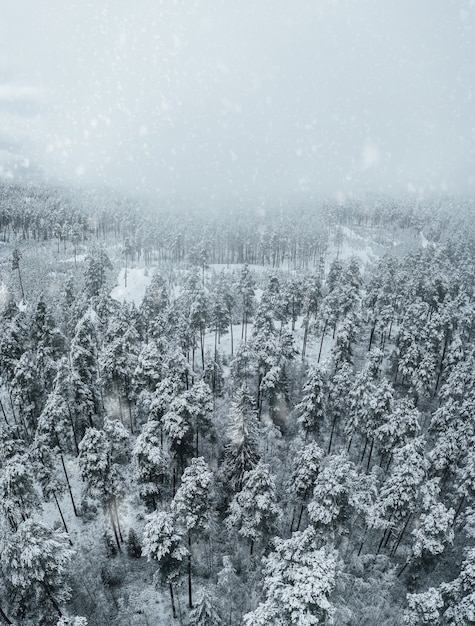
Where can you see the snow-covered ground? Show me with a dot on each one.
(133, 289)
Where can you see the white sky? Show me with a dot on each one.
(212, 100)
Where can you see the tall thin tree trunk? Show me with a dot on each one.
(401, 535)
(190, 596)
(331, 434)
(116, 513)
(459, 508)
(4, 414)
(321, 342)
(4, 617)
(62, 517)
(371, 335)
(305, 336)
(114, 529)
(172, 598)
(202, 342)
(73, 428)
(68, 485)
(364, 449)
(299, 520)
(52, 600)
(370, 454)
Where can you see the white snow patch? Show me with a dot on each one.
(424, 241)
(4, 296)
(137, 282)
(79, 259)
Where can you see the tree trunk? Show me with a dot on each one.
(202, 342)
(401, 535)
(4, 617)
(116, 513)
(370, 454)
(4, 414)
(190, 596)
(52, 600)
(321, 342)
(364, 449)
(73, 429)
(302, 507)
(68, 485)
(62, 517)
(371, 335)
(114, 529)
(457, 512)
(305, 336)
(331, 435)
(172, 598)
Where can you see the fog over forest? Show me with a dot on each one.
(237, 313)
(220, 100)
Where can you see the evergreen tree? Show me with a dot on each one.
(311, 410)
(241, 453)
(298, 580)
(151, 464)
(164, 544)
(305, 469)
(253, 511)
(97, 263)
(205, 613)
(191, 506)
(102, 457)
(35, 562)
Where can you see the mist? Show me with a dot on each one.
(213, 100)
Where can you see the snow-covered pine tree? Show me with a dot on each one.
(254, 511)
(241, 453)
(298, 580)
(151, 469)
(191, 506)
(205, 612)
(103, 455)
(164, 544)
(311, 410)
(35, 563)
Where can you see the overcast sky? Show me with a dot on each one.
(240, 99)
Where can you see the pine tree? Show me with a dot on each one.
(164, 544)
(424, 608)
(253, 511)
(311, 410)
(459, 594)
(155, 300)
(18, 496)
(246, 291)
(84, 372)
(191, 505)
(151, 464)
(335, 493)
(97, 263)
(241, 454)
(305, 469)
(35, 562)
(119, 358)
(298, 580)
(102, 457)
(205, 613)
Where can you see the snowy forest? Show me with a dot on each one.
(236, 417)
